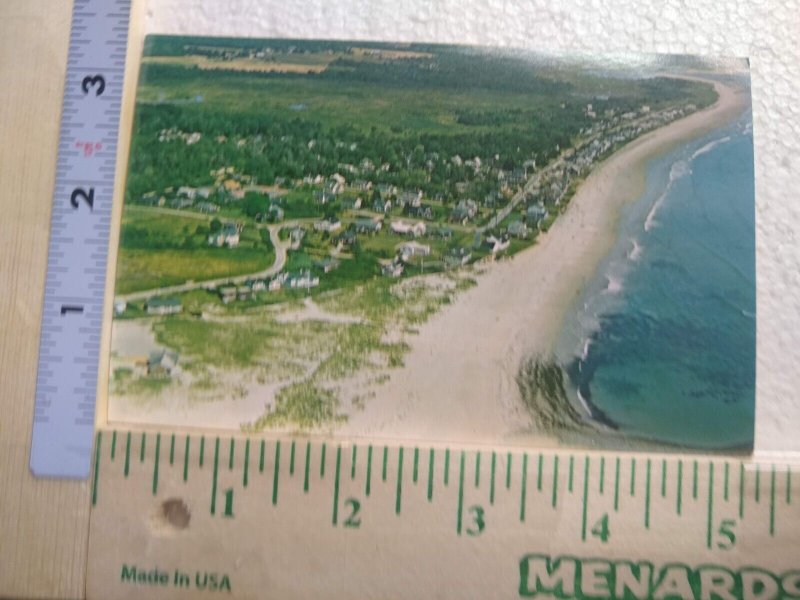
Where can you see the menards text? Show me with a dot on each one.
(571, 577)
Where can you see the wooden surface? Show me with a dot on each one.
(43, 523)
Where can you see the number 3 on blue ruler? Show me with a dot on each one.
(72, 317)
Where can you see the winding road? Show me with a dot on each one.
(281, 249)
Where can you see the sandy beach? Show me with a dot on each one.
(458, 382)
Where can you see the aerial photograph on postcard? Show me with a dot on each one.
(442, 243)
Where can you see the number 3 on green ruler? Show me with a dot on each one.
(478, 522)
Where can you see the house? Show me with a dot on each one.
(458, 215)
(258, 285)
(276, 283)
(275, 213)
(296, 235)
(120, 306)
(206, 207)
(367, 225)
(444, 233)
(412, 249)
(535, 213)
(327, 264)
(163, 306)
(324, 196)
(457, 257)
(244, 292)
(233, 188)
(381, 206)
(385, 189)
(496, 244)
(393, 269)
(362, 185)
(516, 177)
(301, 280)
(492, 199)
(345, 239)
(351, 203)
(162, 363)
(329, 224)
(187, 192)
(181, 203)
(404, 228)
(407, 198)
(423, 211)
(227, 294)
(228, 236)
(462, 187)
(335, 184)
(517, 229)
(469, 206)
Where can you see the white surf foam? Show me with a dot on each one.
(679, 169)
(614, 285)
(710, 146)
(635, 251)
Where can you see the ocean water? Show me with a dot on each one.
(662, 341)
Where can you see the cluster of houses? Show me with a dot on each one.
(301, 280)
(600, 139)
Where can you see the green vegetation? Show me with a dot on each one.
(159, 249)
(231, 135)
(302, 404)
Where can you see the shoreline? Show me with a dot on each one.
(517, 310)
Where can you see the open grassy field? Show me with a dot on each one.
(148, 269)
(244, 64)
(159, 249)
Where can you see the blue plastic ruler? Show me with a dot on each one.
(72, 317)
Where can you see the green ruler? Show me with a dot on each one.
(177, 515)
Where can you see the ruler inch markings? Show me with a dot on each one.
(335, 515)
(245, 471)
(276, 472)
(554, 497)
(399, 488)
(585, 502)
(368, 483)
(214, 478)
(307, 467)
(63, 430)
(431, 459)
(492, 475)
(155, 464)
(186, 458)
(523, 488)
(710, 507)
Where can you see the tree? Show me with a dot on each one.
(215, 225)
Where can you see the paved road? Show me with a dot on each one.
(281, 248)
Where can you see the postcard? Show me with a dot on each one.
(441, 243)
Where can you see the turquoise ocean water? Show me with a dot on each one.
(661, 344)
